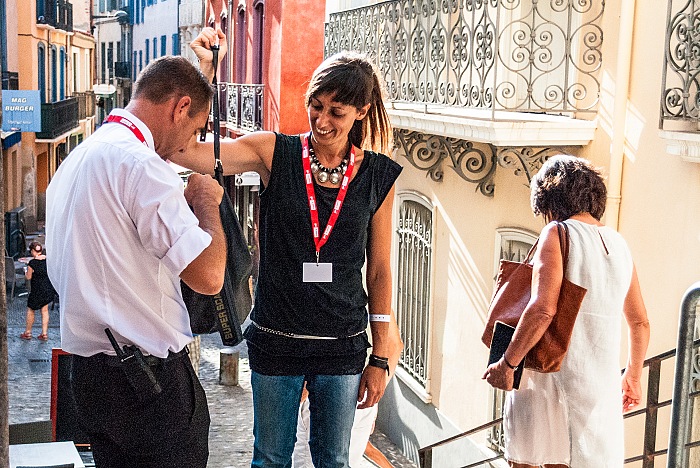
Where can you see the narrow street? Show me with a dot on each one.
(230, 436)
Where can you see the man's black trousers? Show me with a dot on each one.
(167, 430)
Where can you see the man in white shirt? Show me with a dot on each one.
(121, 237)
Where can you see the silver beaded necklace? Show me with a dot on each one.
(324, 174)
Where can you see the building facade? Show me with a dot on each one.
(155, 31)
(11, 141)
(480, 94)
(47, 46)
(191, 22)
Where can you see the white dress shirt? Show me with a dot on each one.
(118, 235)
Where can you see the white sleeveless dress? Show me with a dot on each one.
(574, 417)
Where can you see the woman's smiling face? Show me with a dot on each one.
(331, 121)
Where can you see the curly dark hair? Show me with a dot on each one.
(566, 186)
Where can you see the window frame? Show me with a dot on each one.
(504, 234)
(41, 71)
(422, 390)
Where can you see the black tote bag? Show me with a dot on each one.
(226, 311)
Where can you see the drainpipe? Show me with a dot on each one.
(622, 79)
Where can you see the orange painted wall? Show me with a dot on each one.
(294, 34)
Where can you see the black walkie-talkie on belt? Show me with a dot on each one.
(138, 372)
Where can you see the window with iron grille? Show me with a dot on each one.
(413, 283)
(511, 244)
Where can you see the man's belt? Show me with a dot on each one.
(151, 360)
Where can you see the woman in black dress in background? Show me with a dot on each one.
(41, 293)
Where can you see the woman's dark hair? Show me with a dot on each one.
(566, 186)
(353, 81)
(33, 246)
(174, 76)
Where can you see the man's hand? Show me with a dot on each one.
(203, 191)
(202, 48)
(205, 274)
(372, 386)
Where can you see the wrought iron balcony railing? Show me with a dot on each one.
(56, 13)
(86, 104)
(241, 106)
(58, 118)
(10, 80)
(506, 55)
(680, 94)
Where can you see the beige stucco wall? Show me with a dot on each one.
(660, 195)
(660, 202)
(465, 223)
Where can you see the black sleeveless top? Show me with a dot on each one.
(283, 302)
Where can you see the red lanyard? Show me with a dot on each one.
(319, 239)
(128, 124)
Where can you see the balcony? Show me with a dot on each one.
(56, 13)
(10, 80)
(122, 70)
(497, 55)
(241, 106)
(680, 94)
(489, 82)
(58, 118)
(86, 104)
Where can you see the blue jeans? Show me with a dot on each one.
(332, 402)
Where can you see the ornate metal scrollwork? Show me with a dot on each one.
(680, 97)
(474, 162)
(534, 56)
(526, 160)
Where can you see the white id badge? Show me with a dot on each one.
(318, 272)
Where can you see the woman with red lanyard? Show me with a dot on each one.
(325, 205)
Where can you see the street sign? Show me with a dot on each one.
(21, 111)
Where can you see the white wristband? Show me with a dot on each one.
(379, 318)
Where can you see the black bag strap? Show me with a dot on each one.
(218, 167)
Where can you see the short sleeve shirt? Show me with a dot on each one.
(119, 233)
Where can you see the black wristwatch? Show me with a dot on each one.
(376, 361)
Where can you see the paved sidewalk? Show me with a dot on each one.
(231, 409)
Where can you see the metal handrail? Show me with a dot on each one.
(241, 106)
(677, 454)
(650, 411)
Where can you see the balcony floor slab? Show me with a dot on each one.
(59, 138)
(499, 128)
